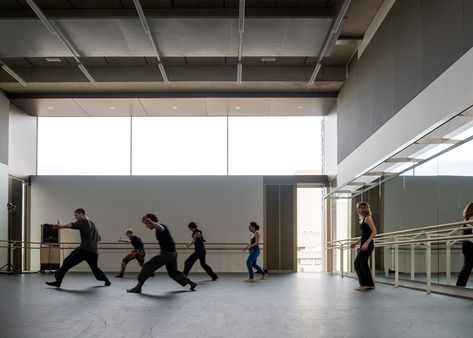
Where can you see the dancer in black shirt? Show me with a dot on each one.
(167, 257)
(137, 253)
(199, 252)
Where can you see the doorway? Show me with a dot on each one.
(310, 249)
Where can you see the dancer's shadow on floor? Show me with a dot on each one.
(166, 296)
(88, 291)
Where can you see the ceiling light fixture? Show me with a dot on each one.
(51, 108)
(237, 108)
(112, 108)
(300, 107)
(174, 108)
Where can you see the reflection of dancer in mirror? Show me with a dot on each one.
(137, 253)
(199, 252)
(368, 232)
(167, 257)
(467, 248)
(254, 252)
(87, 251)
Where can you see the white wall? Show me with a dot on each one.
(22, 143)
(330, 143)
(222, 205)
(444, 98)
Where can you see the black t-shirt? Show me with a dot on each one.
(165, 240)
(137, 243)
(89, 235)
(199, 241)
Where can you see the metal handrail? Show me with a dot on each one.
(395, 239)
(407, 231)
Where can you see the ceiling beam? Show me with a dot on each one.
(152, 39)
(62, 37)
(330, 40)
(241, 31)
(122, 74)
(172, 13)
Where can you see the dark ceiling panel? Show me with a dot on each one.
(278, 61)
(205, 61)
(53, 4)
(126, 61)
(93, 4)
(260, 3)
(17, 62)
(168, 61)
(148, 4)
(9, 5)
(198, 4)
(301, 3)
(94, 61)
(43, 62)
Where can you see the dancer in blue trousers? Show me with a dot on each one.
(254, 252)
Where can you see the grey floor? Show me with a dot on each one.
(293, 305)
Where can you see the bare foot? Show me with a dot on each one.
(249, 280)
(361, 288)
(371, 287)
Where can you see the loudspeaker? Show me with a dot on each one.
(48, 234)
(50, 252)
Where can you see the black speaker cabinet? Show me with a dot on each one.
(50, 252)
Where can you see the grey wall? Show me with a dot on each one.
(4, 110)
(418, 41)
(4, 106)
(223, 205)
(22, 143)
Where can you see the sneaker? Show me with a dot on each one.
(107, 283)
(214, 278)
(136, 289)
(193, 285)
(55, 283)
(120, 275)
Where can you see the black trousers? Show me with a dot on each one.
(467, 249)
(78, 256)
(198, 255)
(362, 268)
(169, 259)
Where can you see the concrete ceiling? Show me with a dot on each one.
(176, 106)
(197, 42)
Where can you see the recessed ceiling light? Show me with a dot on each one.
(53, 59)
(51, 108)
(300, 107)
(112, 108)
(174, 108)
(237, 108)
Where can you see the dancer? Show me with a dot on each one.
(199, 252)
(467, 248)
(137, 253)
(87, 251)
(254, 252)
(167, 257)
(368, 232)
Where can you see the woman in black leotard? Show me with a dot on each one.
(467, 248)
(199, 253)
(368, 232)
